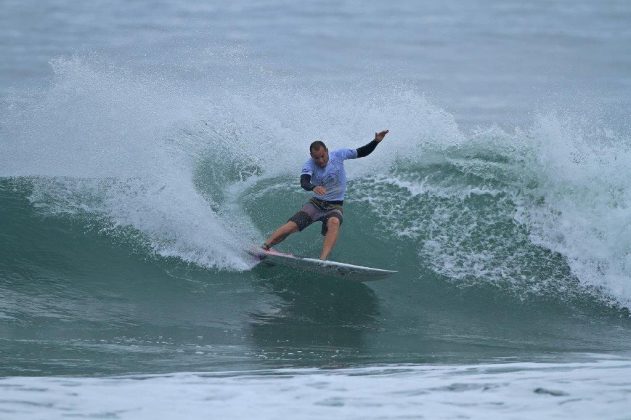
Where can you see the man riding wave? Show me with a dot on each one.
(323, 174)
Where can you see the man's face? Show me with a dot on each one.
(320, 156)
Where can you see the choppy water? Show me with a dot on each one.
(144, 148)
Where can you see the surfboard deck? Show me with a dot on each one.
(328, 268)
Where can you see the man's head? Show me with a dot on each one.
(319, 153)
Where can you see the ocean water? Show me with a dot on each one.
(145, 147)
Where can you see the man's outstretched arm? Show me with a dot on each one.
(368, 148)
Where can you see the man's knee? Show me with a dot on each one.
(333, 222)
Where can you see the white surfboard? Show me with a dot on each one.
(328, 268)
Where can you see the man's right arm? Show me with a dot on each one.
(305, 182)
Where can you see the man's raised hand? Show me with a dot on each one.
(379, 136)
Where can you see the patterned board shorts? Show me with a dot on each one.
(316, 210)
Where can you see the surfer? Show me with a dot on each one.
(323, 174)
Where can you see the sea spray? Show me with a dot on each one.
(579, 201)
(107, 141)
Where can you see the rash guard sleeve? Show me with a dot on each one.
(367, 149)
(305, 182)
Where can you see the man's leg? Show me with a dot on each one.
(281, 233)
(333, 229)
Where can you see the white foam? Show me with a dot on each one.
(582, 390)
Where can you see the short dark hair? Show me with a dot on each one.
(317, 145)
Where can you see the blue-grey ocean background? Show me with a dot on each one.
(145, 145)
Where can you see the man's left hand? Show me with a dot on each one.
(379, 136)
